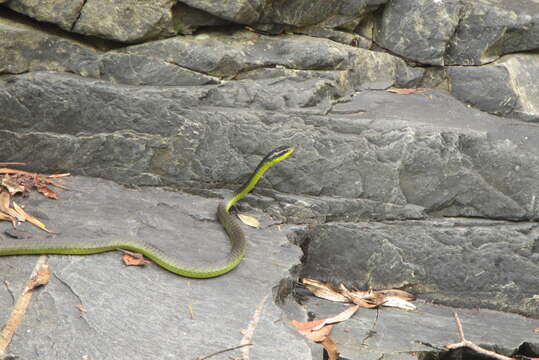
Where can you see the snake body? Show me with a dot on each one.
(229, 222)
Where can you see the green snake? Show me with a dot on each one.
(229, 222)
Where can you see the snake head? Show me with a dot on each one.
(278, 154)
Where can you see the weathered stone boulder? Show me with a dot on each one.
(508, 86)
(455, 32)
(463, 263)
(136, 21)
(419, 189)
(419, 30)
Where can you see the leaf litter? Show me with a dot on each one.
(19, 182)
(319, 330)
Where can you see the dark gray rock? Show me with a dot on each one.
(473, 85)
(145, 310)
(423, 149)
(418, 29)
(394, 334)
(463, 263)
(489, 29)
(188, 19)
(455, 32)
(238, 11)
(228, 55)
(507, 86)
(129, 21)
(63, 13)
(335, 35)
(325, 13)
(23, 48)
(142, 70)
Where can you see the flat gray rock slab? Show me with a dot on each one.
(95, 306)
(393, 333)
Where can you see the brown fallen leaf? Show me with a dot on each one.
(345, 315)
(397, 293)
(42, 278)
(37, 178)
(81, 308)
(323, 290)
(131, 260)
(331, 348)
(397, 302)
(363, 298)
(12, 185)
(27, 217)
(8, 218)
(45, 190)
(249, 220)
(5, 199)
(306, 329)
(536, 330)
(405, 91)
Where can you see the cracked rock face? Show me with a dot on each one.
(432, 189)
(458, 32)
(488, 264)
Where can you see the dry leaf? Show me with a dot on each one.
(366, 299)
(405, 91)
(27, 217)
(306, 329)
(36, 178)
(11, 184)
(8, 218)
(130, 260)
(45, 190)
(4, 206)
(331, 348)
(323, 290)
(42, 278)
(396, 293)
(536, 330)
(392, 301)
(249, 220)
(58, 175)
(81, 308)
(345, 315)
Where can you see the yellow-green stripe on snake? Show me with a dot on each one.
(229, 222)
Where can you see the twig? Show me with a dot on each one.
(466, 343)
(459, 327)
(202, 357)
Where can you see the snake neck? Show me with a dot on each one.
(271, 159)
(248, 185)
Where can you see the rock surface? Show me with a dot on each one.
(386, 333)
(416, 188)
(95, 306)
(463, 263)
(457, 32)
(507, 86)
